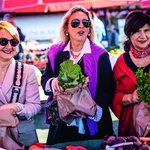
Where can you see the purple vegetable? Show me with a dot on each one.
(119, 139)
(143, 147)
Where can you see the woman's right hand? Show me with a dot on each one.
(135, 97)
(56, 86)
(131, 98)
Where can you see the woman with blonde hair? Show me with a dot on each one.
(18, 88)
(79, 43)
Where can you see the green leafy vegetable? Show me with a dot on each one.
(143, 85)
(70, 74)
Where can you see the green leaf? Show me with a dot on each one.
(143, 85)
(70, 74)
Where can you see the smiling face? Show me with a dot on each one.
(7, 51)
(141, 38)
(80, 32)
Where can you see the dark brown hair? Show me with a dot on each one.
(134, 21)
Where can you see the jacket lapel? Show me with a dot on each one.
(9, 78)
(2, 98)
(123, 70)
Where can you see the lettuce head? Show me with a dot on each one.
(70, 74)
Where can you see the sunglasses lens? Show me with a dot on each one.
(14, 42)
(86, 23)
(75, 23)
(3, 41)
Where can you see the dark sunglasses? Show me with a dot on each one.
(4, 42)
(75, 23)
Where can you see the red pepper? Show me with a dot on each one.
(70, 147)
(37, 146)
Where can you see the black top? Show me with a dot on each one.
(103, 97)
(132, 66)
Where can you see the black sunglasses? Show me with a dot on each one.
(75, 23)
(4, 42)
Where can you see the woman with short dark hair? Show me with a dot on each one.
(137, 47)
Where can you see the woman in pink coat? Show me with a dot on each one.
(25, 101)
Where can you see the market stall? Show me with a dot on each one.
(108, 143)
(36, 54)
(114, 54)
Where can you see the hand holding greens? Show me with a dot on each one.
(70, 74)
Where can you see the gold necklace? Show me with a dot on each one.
(75, 54)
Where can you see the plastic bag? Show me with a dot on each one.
(141, 119)
(75, 102)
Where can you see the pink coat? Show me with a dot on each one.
(29, 95)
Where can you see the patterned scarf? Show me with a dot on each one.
(140, 54)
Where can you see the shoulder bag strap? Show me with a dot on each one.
(17, 82)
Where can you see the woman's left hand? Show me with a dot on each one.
(13, 106)
(9, 118)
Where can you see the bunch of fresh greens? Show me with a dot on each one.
(143, 85)
(70, 74)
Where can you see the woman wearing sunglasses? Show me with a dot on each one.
(78, 43)
(18, 83)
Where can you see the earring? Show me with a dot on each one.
(67, 34)
(89, 34)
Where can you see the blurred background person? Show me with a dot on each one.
(100, 28)
(112, 36)
(79, 43)
(8, 17)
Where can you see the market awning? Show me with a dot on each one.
(29, 6)
(145, 3)
(87, 4)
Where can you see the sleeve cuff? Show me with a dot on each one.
(20, 106)
(48, 86)
(98, 115)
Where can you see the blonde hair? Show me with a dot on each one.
(10, 28)
(63, 37)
